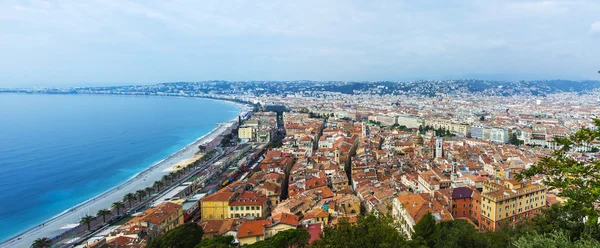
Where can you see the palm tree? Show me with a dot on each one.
(118, 205)
(42, 243)
(158, 184)
(103, 213)
(166, 178)
(129, 197)
(172, 175)
(149, 190)
(86, 220)
(140, 194)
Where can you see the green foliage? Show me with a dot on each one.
(118, 206)
(42, 243)
(370, 231)
(218, 242)
(556, 239)
(374, 123)
(297, 238)
(578, 181)
(401, 128)
(187, 235)
(458, 233)
(103, 213)
(568, 219)
(513, 140)
(86, 220)
(424, 230)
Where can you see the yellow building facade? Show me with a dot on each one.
(216, 206)
(510, 202)
(246, 133)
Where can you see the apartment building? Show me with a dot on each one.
(505, 204)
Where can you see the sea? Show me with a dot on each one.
(57, 151)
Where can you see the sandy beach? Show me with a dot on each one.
(71, 217)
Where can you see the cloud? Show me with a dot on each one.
(150, 41)
(595, 28)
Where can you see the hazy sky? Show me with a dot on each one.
(88, 42)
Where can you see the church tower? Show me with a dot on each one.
(439, 148)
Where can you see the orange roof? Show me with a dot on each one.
(156, 215)
(253, 228)
(286, 218)
(222, 195)
(417, 206)
(122, 241)
(248, 198)
(211, 226)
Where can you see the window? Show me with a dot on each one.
(252, 207)
(247, 208)
(231, 208)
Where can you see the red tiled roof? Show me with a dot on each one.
(253, 228)
(248, 198)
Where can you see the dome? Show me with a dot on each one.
(418, 140)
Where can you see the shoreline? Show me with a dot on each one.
(52, 226)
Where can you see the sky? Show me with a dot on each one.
(116, 42)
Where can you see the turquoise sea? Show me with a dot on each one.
(59, 150)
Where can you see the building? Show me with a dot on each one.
(439, 149)
(510, 202)
(248, 204)
(466, 204)
(159, 219)
(462, 129)
(499, 135)
(477, 131)
(246, 133)
(409, 121)
(410, 208)
(253, 231)
(216, 206)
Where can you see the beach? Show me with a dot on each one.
(71, 217)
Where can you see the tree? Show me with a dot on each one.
(297, 238)
(87, 220)
(103, 213)
(577, 180)
(557, 217)
(424, 230)
(158, 184)
(482, 118)
(42, 243)
(165, 178)
(370, 231)
(149, 190)
(458, 233)
(556, 239)
(514, 140)
(187, 235)
(140, 194)
(129, 197)
(218, 242)
(118, 205)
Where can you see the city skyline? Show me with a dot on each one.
(52, 44)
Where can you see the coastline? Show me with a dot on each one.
(145, 178)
